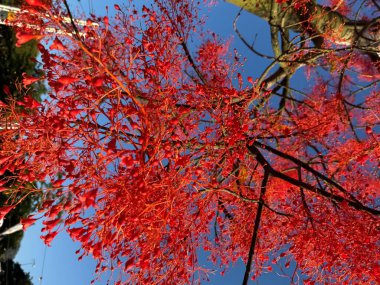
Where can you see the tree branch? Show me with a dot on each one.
(256, 226)
(306, 167)
(333, 197)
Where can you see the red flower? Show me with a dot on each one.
(5, 210)
(27, 222)
(28, 80)
(24, 38)
(57, 45)
(36, 3)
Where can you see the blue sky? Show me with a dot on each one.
(60, 266)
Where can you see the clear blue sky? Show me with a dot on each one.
(61, 266)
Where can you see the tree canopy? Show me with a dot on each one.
(156, 148)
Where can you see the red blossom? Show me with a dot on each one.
(27, 222)
(28, 80)
(5, 210)
(23, 38)
(36, 3)
(66, 80)
(49, 237)
(57, 45)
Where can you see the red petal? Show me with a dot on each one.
(49, 237)
(5, 210)
(97, 81)
(24, 38)
(27, 222)
(57, 44)
(66, 80)
(35, 3)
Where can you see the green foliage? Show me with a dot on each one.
(14, 61)
(12, 274)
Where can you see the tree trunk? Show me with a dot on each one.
(316, 21)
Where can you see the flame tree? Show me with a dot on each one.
(156, 149)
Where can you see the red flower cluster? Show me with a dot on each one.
(153, 152)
